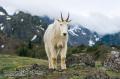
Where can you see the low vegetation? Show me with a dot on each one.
(28, 54)
(11, 63)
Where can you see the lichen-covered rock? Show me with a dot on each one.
(33, 69)
(97, 75)
(81, 59)
(112, 61)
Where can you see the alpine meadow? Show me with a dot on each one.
(59, 39)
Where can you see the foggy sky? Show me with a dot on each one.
(102, 16)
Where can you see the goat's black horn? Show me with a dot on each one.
(62, 17)
(68, 17)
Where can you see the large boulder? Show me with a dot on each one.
(112, 61)
(81, 59)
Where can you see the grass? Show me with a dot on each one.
(8, 63)
(113, 74)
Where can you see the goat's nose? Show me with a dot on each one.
(64, 34)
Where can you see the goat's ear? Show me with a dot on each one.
(56, 21)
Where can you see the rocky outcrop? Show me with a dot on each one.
(33, 69)
(112, 61)
(81, 59)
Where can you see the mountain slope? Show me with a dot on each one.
(79, 35)
(111, 39)
(25, 27)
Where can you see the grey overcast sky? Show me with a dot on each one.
(102, 16)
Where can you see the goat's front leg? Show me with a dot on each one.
(63, 57)
(53, 58)
(48, 55)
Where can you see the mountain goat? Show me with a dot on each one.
(55, 41)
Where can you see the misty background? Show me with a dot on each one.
(102, 16)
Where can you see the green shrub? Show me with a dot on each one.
(22, 51)
(92, 49)
(31, 50)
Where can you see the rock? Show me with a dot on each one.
(33, 69)
(97, 75)
(81, 59)
(112, 61)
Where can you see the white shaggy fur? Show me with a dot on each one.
(55, 40)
